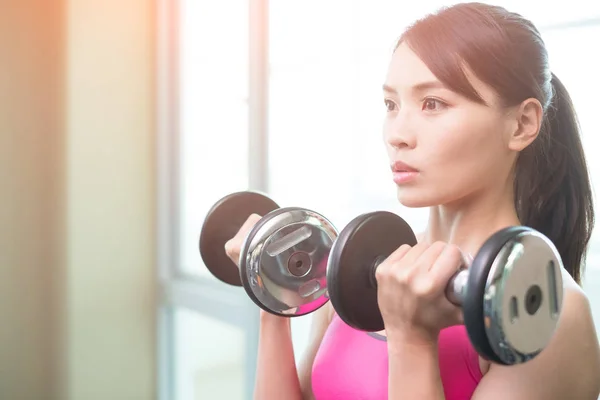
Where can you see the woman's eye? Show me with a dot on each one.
(433, 105)
(390, 105)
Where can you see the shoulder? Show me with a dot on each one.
(568, 368)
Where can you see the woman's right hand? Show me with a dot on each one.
(234, 245)
(275, 348)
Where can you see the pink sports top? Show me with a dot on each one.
(353, 365)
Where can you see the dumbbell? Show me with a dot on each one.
(511, 294)
(283, 259)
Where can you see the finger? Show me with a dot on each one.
(248, 225)
(233, 246)
(413, 254)
(404, 268)
(232, 249)
(395, 255)
(446, 266)
(430, 255)
(399, 253)
(393, 258)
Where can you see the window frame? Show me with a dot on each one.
(177, 289)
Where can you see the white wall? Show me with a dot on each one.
(110, 198)
(77, 200)
(31, 197)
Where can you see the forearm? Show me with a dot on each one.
(413, 372)
(276, 374)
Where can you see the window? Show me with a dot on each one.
(213, 120)
(207, 329)
(209, 357)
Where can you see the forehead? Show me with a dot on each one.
(406, 70)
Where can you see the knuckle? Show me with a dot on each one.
(439, 245)
(248, 224)
(400, 252)
(254, 217)
(404, 249)
(382, 272)
(453, 252)
(421, 245)
(231, 248)
(423, 288)
(405, 275)
(379, 274)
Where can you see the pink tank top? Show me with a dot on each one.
(353, 365)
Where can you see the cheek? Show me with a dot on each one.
(465, 148)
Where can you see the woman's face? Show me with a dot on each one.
(455, 146)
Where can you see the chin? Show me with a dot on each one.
(412, 198)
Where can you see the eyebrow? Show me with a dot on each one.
(419, 87)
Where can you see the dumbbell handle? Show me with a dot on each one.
(455, 290)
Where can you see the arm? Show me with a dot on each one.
(569, 368)
(277, 377)
(413, 371)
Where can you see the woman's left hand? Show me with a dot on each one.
(411, 291)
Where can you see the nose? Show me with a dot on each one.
(399, 132)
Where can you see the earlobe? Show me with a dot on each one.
(529, 121)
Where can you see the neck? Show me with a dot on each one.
(468, 223)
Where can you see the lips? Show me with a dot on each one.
(399, 166)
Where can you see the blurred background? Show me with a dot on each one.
(122, 122)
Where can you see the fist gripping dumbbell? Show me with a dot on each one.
(283, 259)
(511, 294)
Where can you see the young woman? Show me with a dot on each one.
(479, 130)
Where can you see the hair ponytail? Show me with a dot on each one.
(553, 192)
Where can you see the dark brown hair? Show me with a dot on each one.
(552, 188)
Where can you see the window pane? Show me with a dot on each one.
(577, 67)
(213, 114)
(310, 83)
(209, 358)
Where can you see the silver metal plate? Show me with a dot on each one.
(286, 262)
(523, 297)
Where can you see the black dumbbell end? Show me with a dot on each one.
(478, 319)
(363, 243)
(222, 222)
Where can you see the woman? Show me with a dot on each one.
(480, 131)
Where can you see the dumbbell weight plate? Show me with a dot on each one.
(284, 262)
(365, 241)
(514, 295)
(222, 222)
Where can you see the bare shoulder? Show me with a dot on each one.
(569, 367)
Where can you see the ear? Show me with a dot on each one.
(529, 117)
